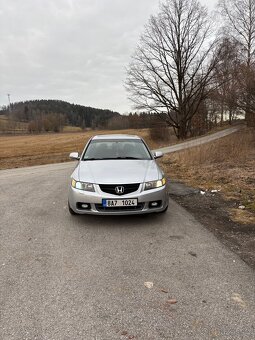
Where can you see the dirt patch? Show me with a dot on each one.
(213, 211)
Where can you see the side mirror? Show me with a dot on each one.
(158, 154)
(74, 155)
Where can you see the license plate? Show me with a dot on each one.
(120, 203)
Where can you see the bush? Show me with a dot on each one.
(160, 132)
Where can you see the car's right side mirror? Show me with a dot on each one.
(74, 155)
(158, 154)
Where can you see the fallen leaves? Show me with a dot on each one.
(238, 299)
(192, 254)
(167, 302)
(125, 333)
(148, 285)
(164, 291)
(172, 301)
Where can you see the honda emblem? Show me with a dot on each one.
(119, 190)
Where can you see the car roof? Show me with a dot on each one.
(115, 136)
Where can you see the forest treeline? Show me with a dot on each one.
(52, 115)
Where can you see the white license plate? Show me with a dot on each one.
(120, 203)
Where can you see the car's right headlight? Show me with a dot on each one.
(155, 184)
(82, 185)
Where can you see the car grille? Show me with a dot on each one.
(100, 207)
(111, 188)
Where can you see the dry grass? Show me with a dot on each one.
(161, 132)
(26, 150)
(69, 128)
(7, 125)
(227, 165)
(235, 148)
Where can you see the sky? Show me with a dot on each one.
(72, 50)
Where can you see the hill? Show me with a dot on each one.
(47, 112)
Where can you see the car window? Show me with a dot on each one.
(116, 149)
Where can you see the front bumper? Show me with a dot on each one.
(94, 199)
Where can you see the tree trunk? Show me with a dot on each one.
(230, 117)
(182, 130)
(250, 118)
(222, 113)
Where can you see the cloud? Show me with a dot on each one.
(74, 50)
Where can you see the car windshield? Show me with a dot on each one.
(116, 149)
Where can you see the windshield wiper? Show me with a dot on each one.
(98, 159)
(93, 159)
(127, 158)
(110, 158)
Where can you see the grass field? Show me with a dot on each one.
(7, 125)
(26, 150)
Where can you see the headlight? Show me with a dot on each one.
(82, 186)
(155, 184)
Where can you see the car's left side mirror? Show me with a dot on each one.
(158, 154)
(74, 155)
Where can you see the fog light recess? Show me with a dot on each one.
(83, 206)
(155, 204)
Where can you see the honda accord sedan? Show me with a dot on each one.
(117, 175)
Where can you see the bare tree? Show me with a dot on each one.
(173, 64)
(228, 78)
(239, 19)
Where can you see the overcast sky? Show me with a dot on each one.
(73, 50)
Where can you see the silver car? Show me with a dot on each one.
(117, 175)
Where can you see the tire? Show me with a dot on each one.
(71, 210)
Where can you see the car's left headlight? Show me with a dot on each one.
(82, 185)
(155, 184)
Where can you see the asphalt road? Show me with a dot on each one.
(82, 277)
(201, 140)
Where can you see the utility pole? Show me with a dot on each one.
(9, 100)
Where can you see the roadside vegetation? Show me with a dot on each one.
(226, 166)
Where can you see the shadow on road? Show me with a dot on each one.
(118, 221)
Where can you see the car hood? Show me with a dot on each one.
(118, 171)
